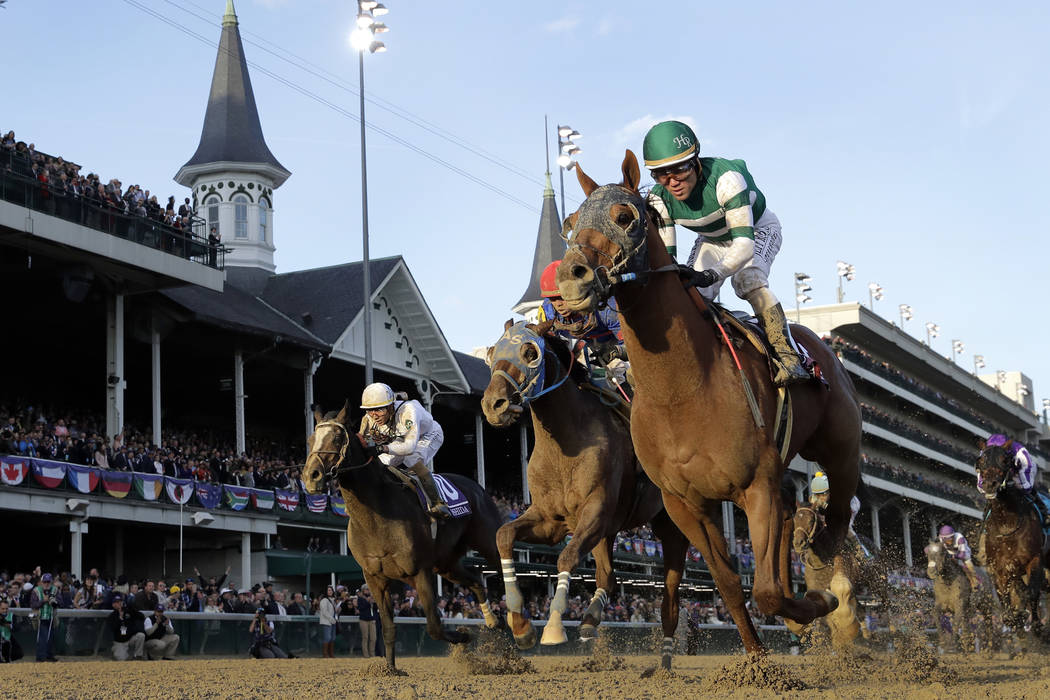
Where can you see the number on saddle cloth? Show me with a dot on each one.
(454, 498)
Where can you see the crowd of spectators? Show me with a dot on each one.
(908, 430)
(850, 351)
(79, 438)
(59, 188)
(923, 482)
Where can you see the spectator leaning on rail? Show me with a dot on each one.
(128, 626)
(405, 435)
(44, 600)
(738, 236)
(161, 640)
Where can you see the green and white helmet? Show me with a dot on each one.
(669, 143)
(819, 483)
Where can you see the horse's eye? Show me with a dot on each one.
(624, 219)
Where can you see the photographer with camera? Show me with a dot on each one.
(10, 650)
(161, 640)
(128, 625)
(45, 601)
(264, 642)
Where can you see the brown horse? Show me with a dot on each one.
(389, 533)
(953, 595)
(833, 572)
(694, 428)
(583, 477)
(1014, 542)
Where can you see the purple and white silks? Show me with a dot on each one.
(1023, 473)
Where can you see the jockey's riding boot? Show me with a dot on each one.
(789, 366)
(438, 507)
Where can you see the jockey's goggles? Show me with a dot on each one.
(678, 172)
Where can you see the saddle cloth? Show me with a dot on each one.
(454, 498)
(749, 327)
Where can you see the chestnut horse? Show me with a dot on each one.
(693, 426)
(389, 533)
(583, 478)
(1016, 549)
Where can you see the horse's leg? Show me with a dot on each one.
(463, 576)
(843, 620)
(963, 617)
(675, 546)
(604, 579)
(380, 587)
(424, 583)
(1034, 589)
(704, 533)
(765, 521)
(588, 532)
(528, 527)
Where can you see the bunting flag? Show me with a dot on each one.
(338, 506)
(13, 470)
(149, 486)
(83, 479)
(179, 490)
(116, 484)
(287, 500)
(48, 474)
(209, 495)
(318, 503)
(262, 499)
(236, 496)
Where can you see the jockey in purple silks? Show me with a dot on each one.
(959, 548)
(1022, 474)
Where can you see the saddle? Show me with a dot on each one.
(454, 498)
(746, 327)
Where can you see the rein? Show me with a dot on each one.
(337, 467)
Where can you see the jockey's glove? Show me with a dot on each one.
(703, 278)
(611, 351)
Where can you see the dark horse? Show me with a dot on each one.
(703, 426)
(1015, 545)
(389, 533)
(583, 478)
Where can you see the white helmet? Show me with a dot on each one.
(376, 395)
(819, 483)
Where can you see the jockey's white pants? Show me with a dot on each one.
(755, 273)
(426, 447)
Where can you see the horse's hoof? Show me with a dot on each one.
(665, 662)
(553, 637)
(588, 633)
(491, 621)
(527, 640)
(823, 598)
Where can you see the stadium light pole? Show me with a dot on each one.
(1000, 379)
(567, 151)
(906, 314)
(1046, 409)
(957, 349)
(932, 329)
(978, 363)
(362, 38)
(801, 287)
(874, 294)
(847, 272)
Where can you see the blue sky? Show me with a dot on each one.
(900, 137)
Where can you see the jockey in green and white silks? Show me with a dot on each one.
(737, 235)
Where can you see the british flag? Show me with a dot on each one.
(287, 500)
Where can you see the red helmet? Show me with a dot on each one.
(548, 280)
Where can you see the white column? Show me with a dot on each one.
(246, 560)
(525, 497)
(876, 534)
(155, 363)
(800, 490)
(729, 526)
(78, 527)
(933, 529)
(479, 449)
(114, 366)
(342, 543)
(238, 399)
(906, 524)
(308, 397)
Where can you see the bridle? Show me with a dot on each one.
(533, 383)
(337, 466)
(990, 495)
(810, 532)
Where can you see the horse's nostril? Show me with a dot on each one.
(580, 271)
(499, 404)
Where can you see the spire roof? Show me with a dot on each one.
(232, 132)
(549, 246)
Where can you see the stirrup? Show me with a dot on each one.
(441, 511)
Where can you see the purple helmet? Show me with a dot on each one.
(947, 531)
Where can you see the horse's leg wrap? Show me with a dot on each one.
(515, 602)
(490, 619)
(666, 652)
(554, 631)
(593, 615)
(515, 608)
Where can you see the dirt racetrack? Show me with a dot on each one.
(564, 678)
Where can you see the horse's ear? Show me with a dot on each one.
(344, 413)
(631, 175)
(1008, 445)
(488, 355)
(585, 181)
(508, 324)
(542, 329)
(318, 413)
(981, 444)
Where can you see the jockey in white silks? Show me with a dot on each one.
(820, 495)
(406, 435)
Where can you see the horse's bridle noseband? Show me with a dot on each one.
(812, 530)
(337, 467)
(533, 384)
